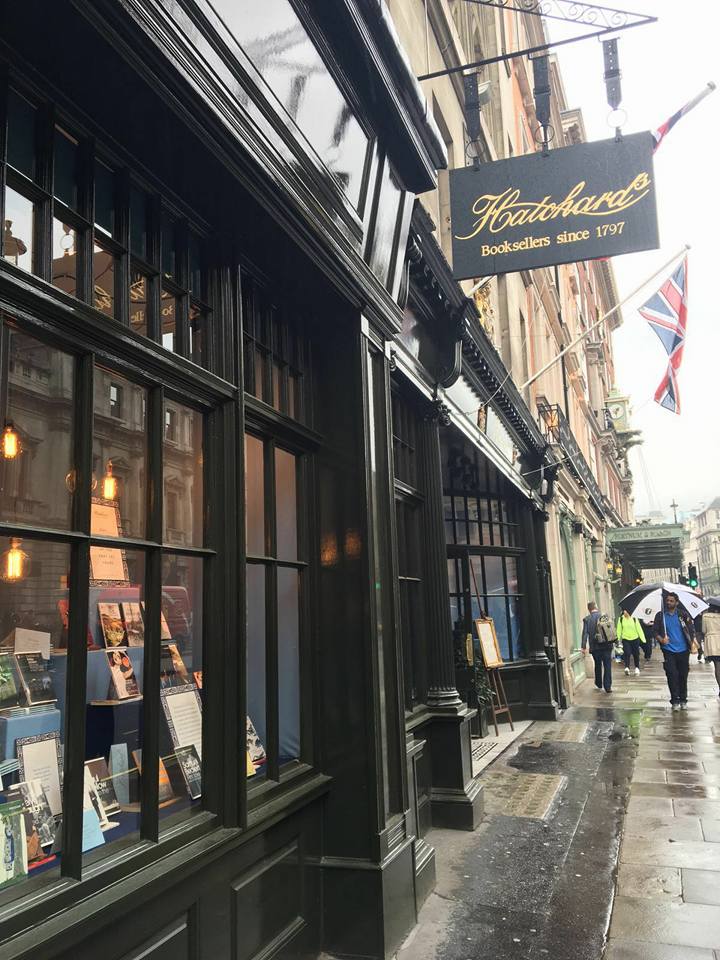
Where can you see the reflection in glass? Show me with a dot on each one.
(198, 335)
(65, 168)
(386, 220)
(64, 251)
(119, 439)
(33, 487)
(168, 245)
(139, 302)
(21, 134)
(103, 280)
(18, 230)
(104, 198)
(195, 275)
(183, 475)
(254, 495)
(256, 672)
(497, 611)
(168, 316)
(286, 504)
(288, 600)
(494, 580)
(273, 37)
(138, 222)
(114, 721)
(32, 677)
(181, 686)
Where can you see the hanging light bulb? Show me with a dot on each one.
(109, 483)
(14, 562)
(10, 442)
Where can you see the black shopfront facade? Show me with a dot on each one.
(203, 681)
(469, 465)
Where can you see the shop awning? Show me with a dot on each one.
(649, 547)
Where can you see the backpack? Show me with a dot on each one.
(605, 634)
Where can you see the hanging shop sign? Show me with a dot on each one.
(582, 202)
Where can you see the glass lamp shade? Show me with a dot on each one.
(10, 442)
(15, 562)
(109, 484)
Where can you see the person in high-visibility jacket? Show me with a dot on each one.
(630, 631)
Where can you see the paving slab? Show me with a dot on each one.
(642, 826)
(701, 886)
(707, 809)
(711, 830)
(649, 882)
(683, 924)
(636, 950)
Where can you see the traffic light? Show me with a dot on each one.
(684, 580)
(692, 577)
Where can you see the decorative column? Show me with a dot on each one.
(542, 703)
(456, 798)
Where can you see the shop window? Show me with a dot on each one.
(409, 500)
(66, 168)
(18, 229)
(116, 400)
(21, 126)
(276, 353)
(275, 608)
(183, 476)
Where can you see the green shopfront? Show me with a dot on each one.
(203, 746)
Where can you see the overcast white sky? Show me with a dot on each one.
(664, 65)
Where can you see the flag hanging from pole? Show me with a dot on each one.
(665, 128)
(666, 312)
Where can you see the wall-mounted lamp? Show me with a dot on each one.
(109, 483)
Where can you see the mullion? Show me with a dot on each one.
(271, 618)
(4, 92)
(42, 233)
(76, 677)
(149, 816)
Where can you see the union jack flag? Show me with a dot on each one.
(664, 129)
(666, 312)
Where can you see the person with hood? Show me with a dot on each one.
(675, 633)
(600, 649)
(630, 631)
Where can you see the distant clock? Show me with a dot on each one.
(616, 410)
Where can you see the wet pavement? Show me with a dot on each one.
(600, 841)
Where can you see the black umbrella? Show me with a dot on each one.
(647, 600)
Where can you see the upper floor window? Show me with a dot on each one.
(77, 220)
(281, 50)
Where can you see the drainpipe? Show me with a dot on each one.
(562, 359)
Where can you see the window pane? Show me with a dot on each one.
(183, 476)
(36, 454)
(139, 302)
(181, 686)
(256, 673)
(21, 134)
(103, 280)
(104, 198)
(169, 315)
(198, 336)
(288, 614)
(254, 496)
(18, 230)
(64, 267)
(496, 609)
(494, 580)
(138, 223)
(114, 722)
(119, 458)
(65, 169)
(168, 245)
(195, 275)
(518, 639)
(33, 655)
(286, 505)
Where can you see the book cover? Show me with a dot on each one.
(134, 624)
(10, 685)
(36, 680)
(165, 790)
(13, 862)
(112, 626)
(164, 628)
(36, 805)
(189, 764)
(254, 747)
(122, 674)
(103, 784)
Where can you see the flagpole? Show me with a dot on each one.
(604, 317)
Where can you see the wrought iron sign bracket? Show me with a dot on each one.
(604, 21)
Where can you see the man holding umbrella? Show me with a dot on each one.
(675, 633)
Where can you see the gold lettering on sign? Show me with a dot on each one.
(497, 212)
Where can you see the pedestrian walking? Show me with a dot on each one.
(599, 636)
(675, 633)
(649, 638)
(630, 631)
(711, 631)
